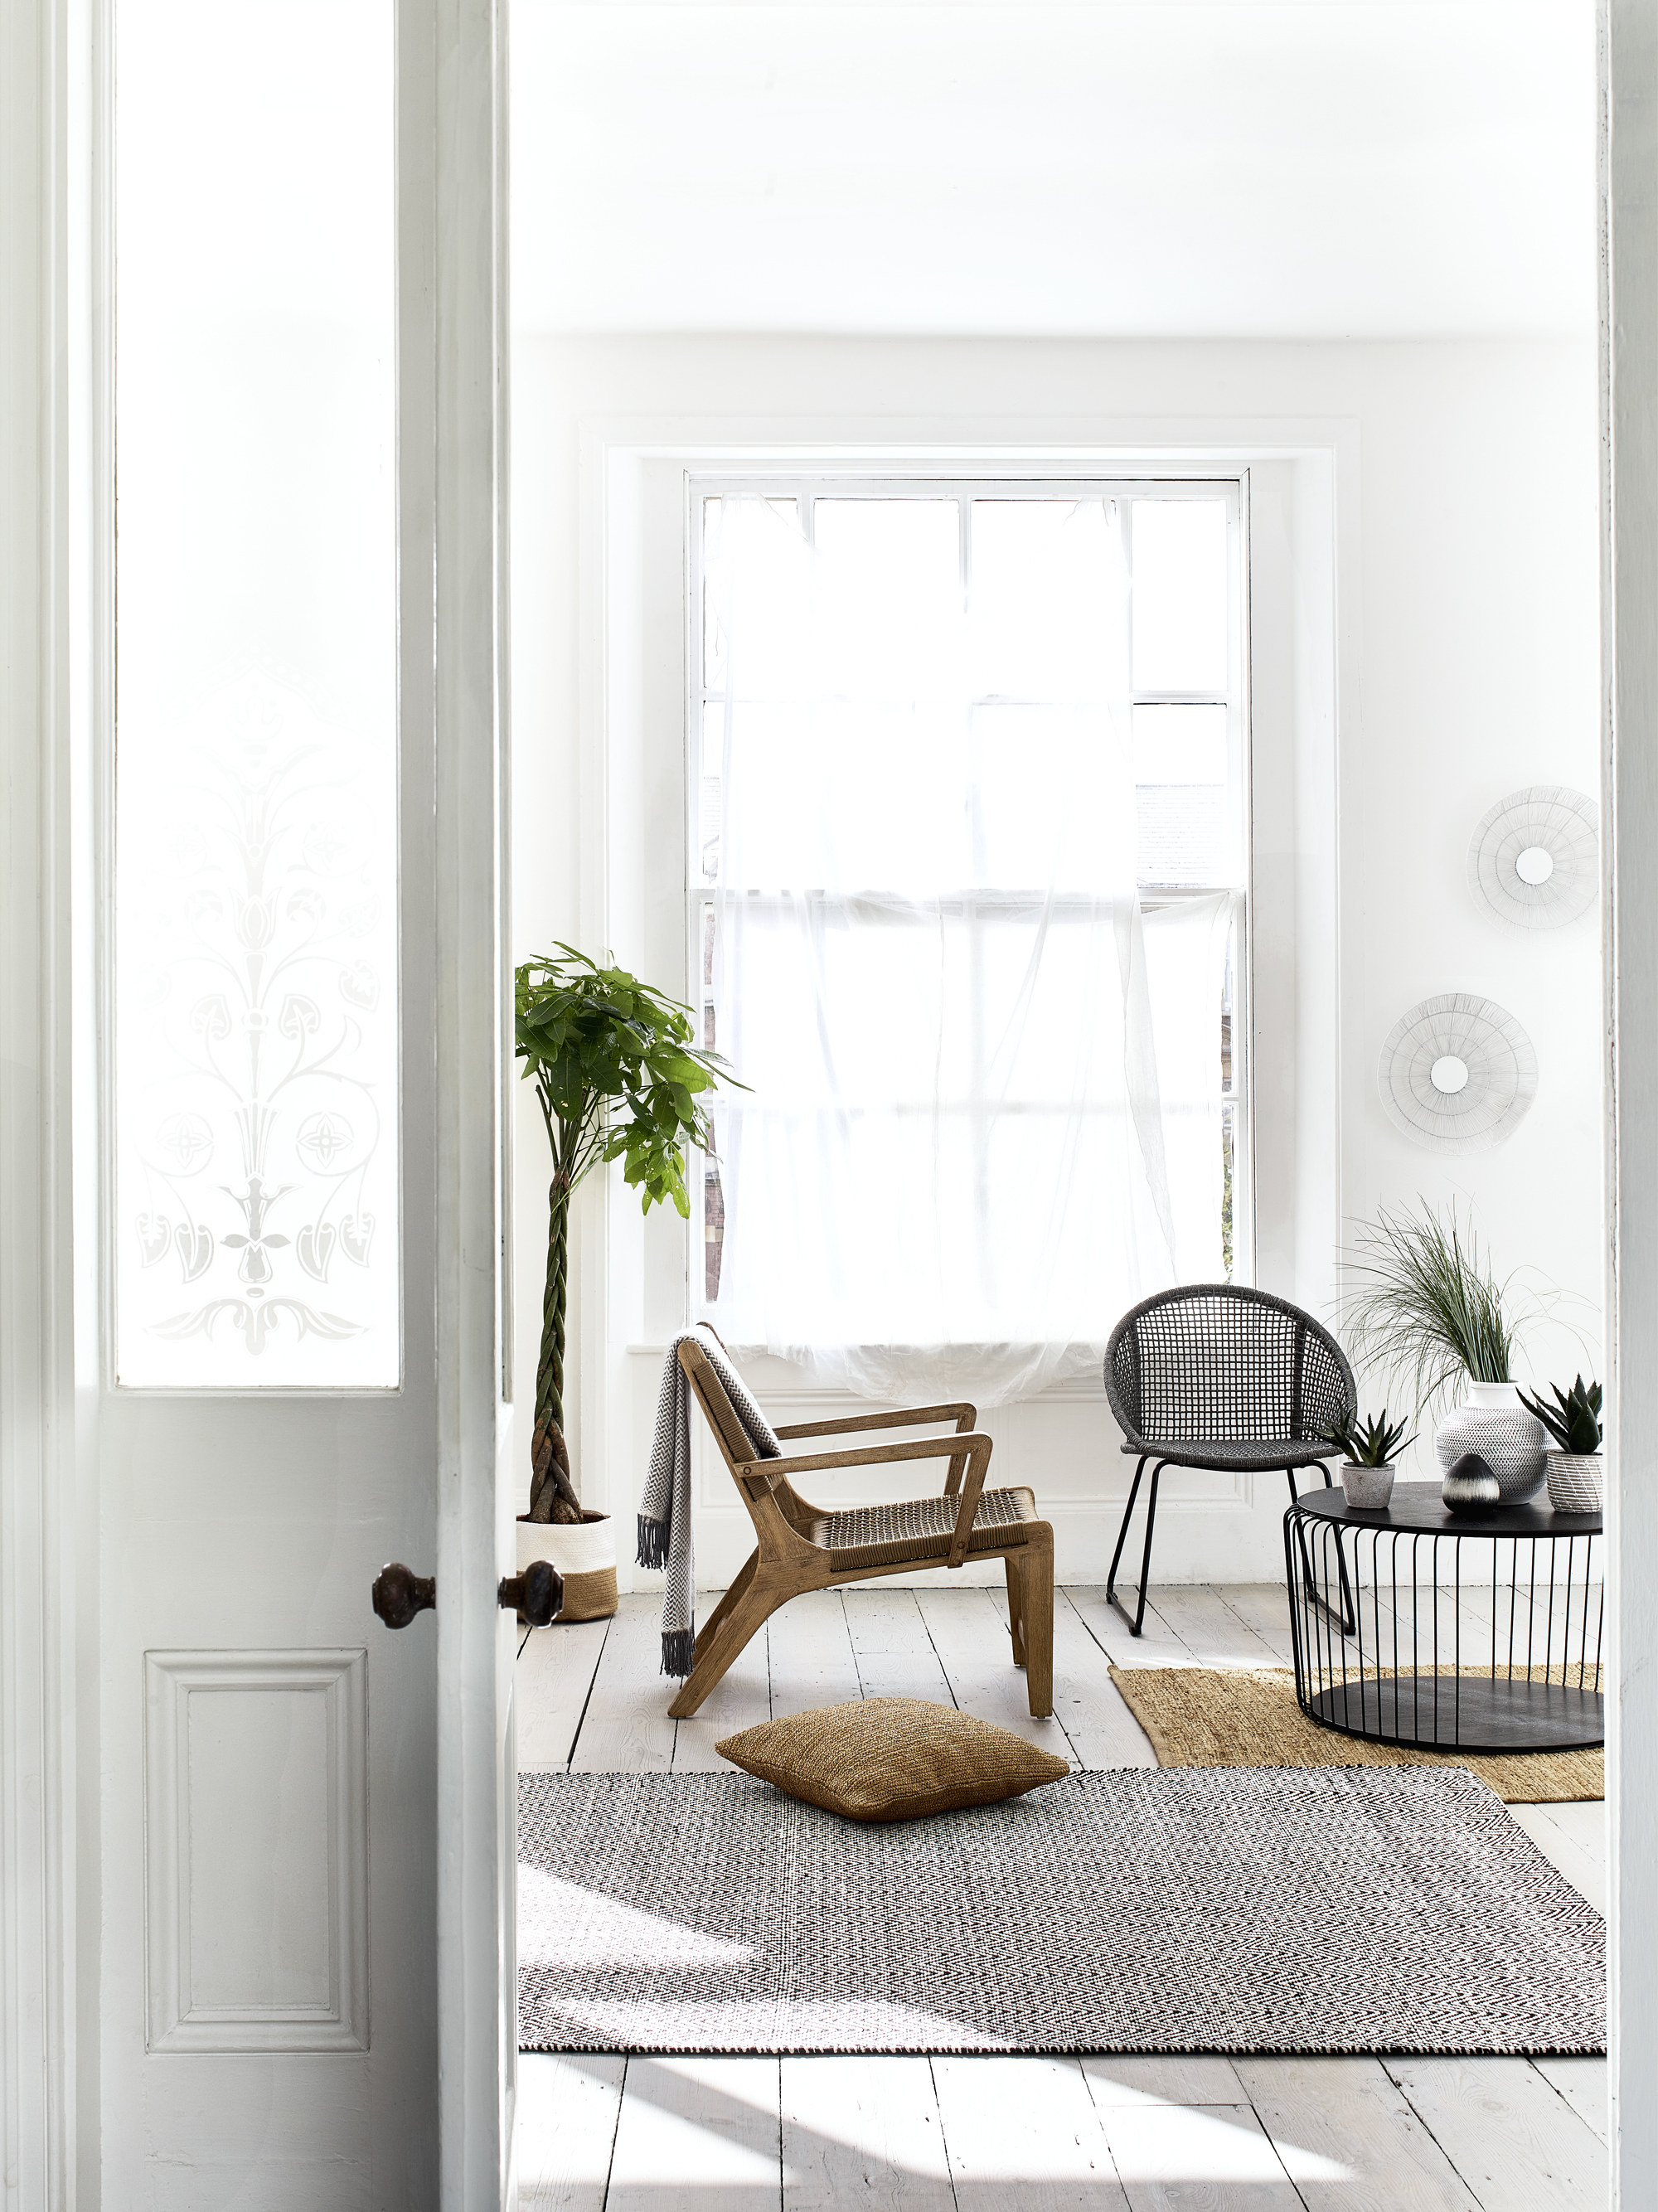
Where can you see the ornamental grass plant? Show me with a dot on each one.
(1423, 1304)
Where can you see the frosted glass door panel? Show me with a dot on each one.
(256, 1008)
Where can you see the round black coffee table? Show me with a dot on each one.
(1468, 1634)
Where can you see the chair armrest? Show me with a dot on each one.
(974, 1446)
(906, 1416)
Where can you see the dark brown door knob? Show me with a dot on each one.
(399, 1595)
(536, 1594)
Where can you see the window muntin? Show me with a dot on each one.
(1189, 683)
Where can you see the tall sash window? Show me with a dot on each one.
(968, 888)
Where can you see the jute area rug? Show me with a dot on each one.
(1293, 1910)
(1215, 1717)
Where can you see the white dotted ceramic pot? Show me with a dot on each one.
(1493, 1423)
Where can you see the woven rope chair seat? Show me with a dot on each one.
(920, 1528)
(1269, 1453)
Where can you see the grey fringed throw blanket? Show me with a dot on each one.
(665, 1510)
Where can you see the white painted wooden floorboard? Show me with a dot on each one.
(1264, 1609)
(863, 2131)
(812, 1662)
(1517, 2148)
(1561, 1841)
(1157, 1646)
(628, 1730)
(698, 2133)
(1212, 1633)
(1582, 2083)
(1102, 1730)
(976, 1649)
(567, 2117)
(1172, 2078)
(1348, 2138)
(555, 1669)
(1022, 2135)
(1197, 2158)
(895, 1654)
(741, 1699)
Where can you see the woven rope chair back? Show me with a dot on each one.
(1213, 1363)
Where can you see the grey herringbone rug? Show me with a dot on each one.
(1251, 1909)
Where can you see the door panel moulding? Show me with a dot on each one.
(217, 1781)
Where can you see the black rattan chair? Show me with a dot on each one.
(1212, 1375)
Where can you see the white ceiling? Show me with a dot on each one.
(1262, 169)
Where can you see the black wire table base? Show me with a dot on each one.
(1467, 1634)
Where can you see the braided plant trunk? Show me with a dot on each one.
(549, 1455)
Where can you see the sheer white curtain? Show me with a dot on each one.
(951, 1171)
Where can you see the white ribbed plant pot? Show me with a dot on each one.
(1369, 1489)
(583, 1553)
(1492, 1422)
(1575, 1481)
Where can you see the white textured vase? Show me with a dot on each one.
(1575, 1481)
(1492, 1422)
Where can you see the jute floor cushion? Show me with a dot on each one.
(892, 1758)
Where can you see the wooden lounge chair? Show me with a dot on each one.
(799, 1546)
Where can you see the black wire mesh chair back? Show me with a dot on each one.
(1214, 1362)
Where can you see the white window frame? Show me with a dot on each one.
(922, 482)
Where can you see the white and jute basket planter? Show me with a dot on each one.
(1369, 1489)
(1575, 1481)
(583, 1553)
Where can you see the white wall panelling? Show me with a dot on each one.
(256, 1847)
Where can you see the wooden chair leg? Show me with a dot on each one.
(722, 1612)
(740, 1625)
(1015, 1569)
(1036, 1573)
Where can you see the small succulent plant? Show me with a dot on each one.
(1574, 1421)
(1372, 1444)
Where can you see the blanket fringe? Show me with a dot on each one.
(678, 1650)
(652, 1543)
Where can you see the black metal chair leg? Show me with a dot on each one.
(1346, 1620)
(1122, 1533)
(1136, 1619)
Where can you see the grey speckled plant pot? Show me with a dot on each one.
(1494, 1424)
(1368, 1488)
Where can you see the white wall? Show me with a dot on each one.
(1454, 487)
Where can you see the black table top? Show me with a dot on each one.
(1417, 1507)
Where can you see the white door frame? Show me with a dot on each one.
(39, 1578)
(1629, 340)
(466, 220)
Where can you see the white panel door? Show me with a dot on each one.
(305, 1991)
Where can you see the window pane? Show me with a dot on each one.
(1186, 834)
(256, 948)
(1046, 600)
(1180, 595)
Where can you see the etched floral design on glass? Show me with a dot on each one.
(257, 1053)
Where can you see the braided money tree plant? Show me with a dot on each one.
(618, 1076)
